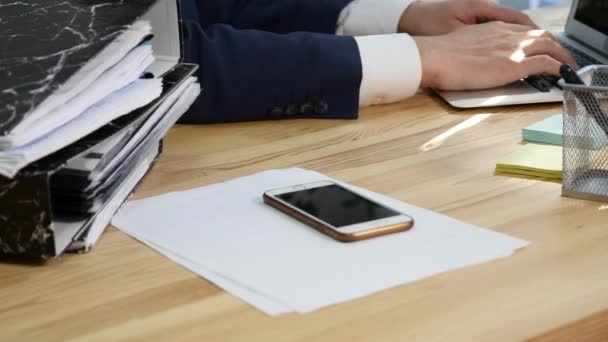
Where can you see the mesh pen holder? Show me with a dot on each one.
(585, 137)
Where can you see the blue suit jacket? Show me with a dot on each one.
(270, 59)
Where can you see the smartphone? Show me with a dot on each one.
(338, 212)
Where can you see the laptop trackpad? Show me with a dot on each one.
(518, 92)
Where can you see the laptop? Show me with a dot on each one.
(586, 37)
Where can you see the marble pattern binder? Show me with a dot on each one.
(29, 222)
(43, 45)
(45, 42)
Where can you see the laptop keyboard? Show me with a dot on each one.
(580, 57)
(544, 83)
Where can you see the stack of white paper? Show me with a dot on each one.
(108, 82)
(225, 233)
(83, 78)
(133, 96)
(185, 92)
(164, 117)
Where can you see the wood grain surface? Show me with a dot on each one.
(420, 151)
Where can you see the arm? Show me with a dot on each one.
(256, 75)
(279, 16)
(253, 75)
(466, 36)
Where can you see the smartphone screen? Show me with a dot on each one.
(336, 205)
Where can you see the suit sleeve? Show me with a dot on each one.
(279, 16)
(255, 75)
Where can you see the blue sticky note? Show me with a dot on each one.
(547, 131)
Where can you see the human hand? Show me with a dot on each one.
(488, 55)
(436, 18)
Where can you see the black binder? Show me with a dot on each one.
(38, 216)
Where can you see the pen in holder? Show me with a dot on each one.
(585, 137)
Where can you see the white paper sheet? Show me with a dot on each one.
(124, 101)
(257, 300)
(227, 229)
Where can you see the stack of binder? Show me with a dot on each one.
(83, 114)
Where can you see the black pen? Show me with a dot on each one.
(569, 75)
(590, 103)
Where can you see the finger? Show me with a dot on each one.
(493, 12)
(541, 34)
(546, 46)
(512, 27)
(539, 64)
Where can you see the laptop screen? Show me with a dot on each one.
(593, 13)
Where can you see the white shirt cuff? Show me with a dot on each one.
(392, 69)
(366, 17)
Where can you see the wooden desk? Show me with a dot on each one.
(419, 151)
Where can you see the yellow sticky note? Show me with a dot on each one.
(533, 160)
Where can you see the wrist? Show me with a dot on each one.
(408, 22)
(430, 69)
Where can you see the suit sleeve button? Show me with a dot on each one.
(276, 111)
(307, 108)
(291, 110)
(321, 107)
